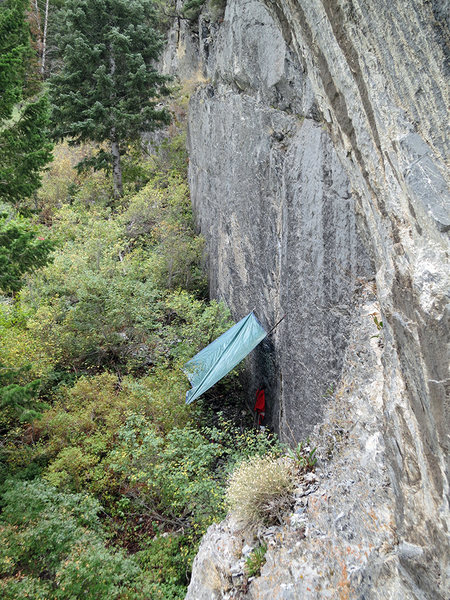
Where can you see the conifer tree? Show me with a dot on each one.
(24, 145)
(107, 88)
(23, 400)
(14, 49)
(21, 250)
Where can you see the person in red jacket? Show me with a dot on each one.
(260, 405)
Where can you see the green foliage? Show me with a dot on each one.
(108, 79)
(54, 544)
(20, 351)
(14, 50)
(166, 561)
(105, 300)
(25, 587)
(177, 470)
(379, 326)
(192, 8)
(159, 225)
(182, 474)
(63, 185)
(304, 456)
(378, 323)
(24, 151)
(241, 444)
(21, 399)
(81, 428)
(255, 560)
(22, 250)
(107, 87)
(24, 145)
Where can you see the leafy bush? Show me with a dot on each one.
(19, 349)
(53, 546)
(192, 8)
(173, 474)
(260, 490)
(104, 300)
(241, 444)
(167, 561)
(63, 184)
(25, 587)
(182, 475)
(81, 428)
(21, 399)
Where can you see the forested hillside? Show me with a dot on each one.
(107, 479)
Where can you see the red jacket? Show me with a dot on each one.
(260, 404)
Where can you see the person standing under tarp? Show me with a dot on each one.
(260, 406)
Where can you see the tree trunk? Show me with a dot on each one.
(115, 150)
(39, 31)
(44, 38)
(117, 167)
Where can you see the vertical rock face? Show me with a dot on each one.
(378, 71)
(320, 137)
(274, 204)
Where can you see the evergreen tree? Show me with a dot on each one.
(24, 151)
(21, 251)
(14, 48)
(23, 400)
(24, 145)
(106, 89)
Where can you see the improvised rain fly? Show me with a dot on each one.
(216, 360)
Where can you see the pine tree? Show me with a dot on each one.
(24, 145)
(107, 88)
(24, 151)
(14, 48)
(23, 400)
(21, 250)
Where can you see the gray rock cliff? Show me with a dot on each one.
(318, 140)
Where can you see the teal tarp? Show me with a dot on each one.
(216, 360)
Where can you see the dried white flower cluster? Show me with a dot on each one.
(260, 490)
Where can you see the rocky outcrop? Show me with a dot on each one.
(317, 139)
(340, 540)
(282, 239)
(274, 204)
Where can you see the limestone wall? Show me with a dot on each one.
(318, 142)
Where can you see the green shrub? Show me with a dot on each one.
(52, 545)
(174, 474)
(94, 572)
(260, 490)
(166, 561)
(80, 430)
(12, 588)
(105, 299)
(23, 249)
(304, 456)
(182, 474)
(21, 400)
(240, 444)
(20, 351)
(255, 560)
(71, 469)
